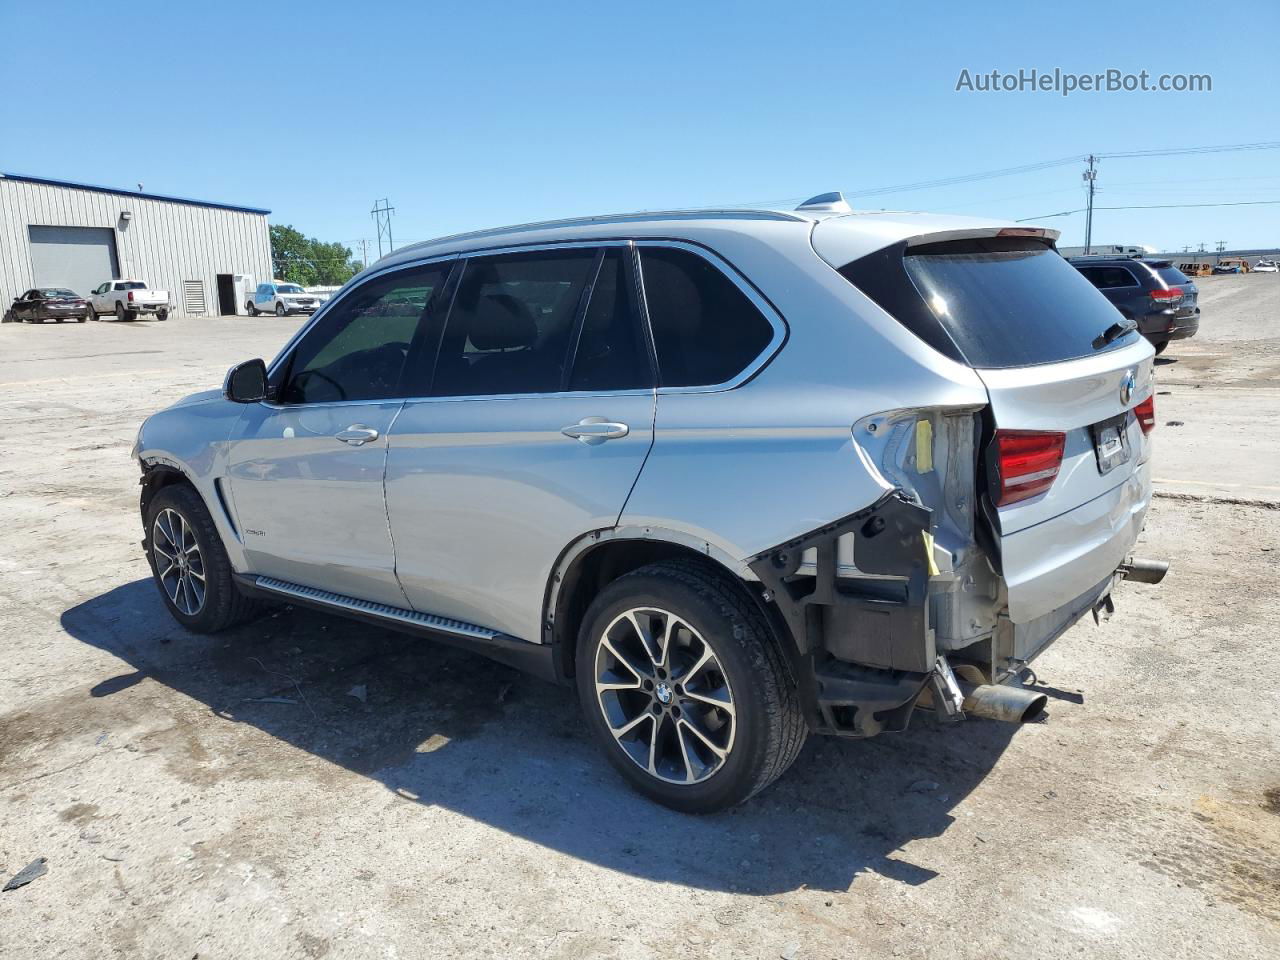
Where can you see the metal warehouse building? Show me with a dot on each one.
(59, 234)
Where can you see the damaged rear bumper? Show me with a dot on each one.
(865, 652)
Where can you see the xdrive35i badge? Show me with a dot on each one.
(1126, 387)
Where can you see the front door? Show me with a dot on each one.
(532, 432)
(306, 469)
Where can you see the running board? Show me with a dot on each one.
(535, 658)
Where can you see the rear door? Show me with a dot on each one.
(529, 431)
(1059, 374)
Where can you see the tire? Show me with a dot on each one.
(162, 315)
(57, 319)
(1160, 346)
(123, 314)
(754, 743)
(253, 311)
(221, 604)
(82, 318)
(280, 310)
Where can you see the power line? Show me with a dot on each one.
(1180, 151)
(1151, 206)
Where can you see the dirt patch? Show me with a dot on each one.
(79, 813)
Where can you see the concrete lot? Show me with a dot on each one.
(458, 809)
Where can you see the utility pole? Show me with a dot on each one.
(364, 252)
(1090, 178)
(1202, 250)
(382, 219)
(1222, 245)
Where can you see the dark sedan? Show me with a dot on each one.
(50, 303)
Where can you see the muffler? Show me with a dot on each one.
(1144, 571)
(997, 701)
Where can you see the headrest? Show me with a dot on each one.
(501, 322)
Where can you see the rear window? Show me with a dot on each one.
(1171, 275)
(131, 285)
(990, 302)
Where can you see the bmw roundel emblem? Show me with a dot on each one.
(1126, 387)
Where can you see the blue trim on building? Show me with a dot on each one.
(50, 182)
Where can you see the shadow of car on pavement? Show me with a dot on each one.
(447, 728)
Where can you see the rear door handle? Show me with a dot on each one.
(593, 430)
(357, 434)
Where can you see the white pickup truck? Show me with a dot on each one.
(126, 299)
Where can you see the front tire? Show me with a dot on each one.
(189, 563)
(280, 310)
(686, 689)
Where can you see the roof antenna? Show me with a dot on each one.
(139, 186)
(833, 202)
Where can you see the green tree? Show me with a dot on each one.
(308, 261)
(291, 255)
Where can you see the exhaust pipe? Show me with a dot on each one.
(998, 701)
(1144, 571)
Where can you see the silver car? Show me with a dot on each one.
(739, 476)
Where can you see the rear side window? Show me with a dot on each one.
(705, 329)
(611, 353)
(1109, 278)
(990, 302)
(510, 326)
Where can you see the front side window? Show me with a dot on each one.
(357, 350)
(705, 328)
(510, 326)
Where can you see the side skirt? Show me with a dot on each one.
(534, 658)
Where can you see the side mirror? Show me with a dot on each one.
(246, 382)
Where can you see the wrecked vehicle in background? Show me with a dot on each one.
(738, 475)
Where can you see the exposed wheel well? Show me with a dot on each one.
(156, 479)
(601, 565)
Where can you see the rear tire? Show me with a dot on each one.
(253, 311)
(199, 591)
(123, 314)
(1161, 346)
(162, 315)
(719, 703)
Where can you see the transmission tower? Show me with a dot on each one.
(381, 214)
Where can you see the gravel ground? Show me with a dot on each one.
(308, 787)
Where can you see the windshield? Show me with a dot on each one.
(990, 302)
(57, 292)
(289, 288)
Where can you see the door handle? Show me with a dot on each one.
(593, 430)
(357, 434)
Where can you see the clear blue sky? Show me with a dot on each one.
(479, 113)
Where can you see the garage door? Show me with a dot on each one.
(75, 257)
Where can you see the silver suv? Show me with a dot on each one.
(738, 475)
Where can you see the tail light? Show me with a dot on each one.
(1167, 297)
(1146, 412)
(1027, 462)
(131, 296)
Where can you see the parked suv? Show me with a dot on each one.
(282, 298)
(739, 476)
(1154, 293)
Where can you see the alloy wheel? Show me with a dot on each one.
(178, 561)
(664, 696)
